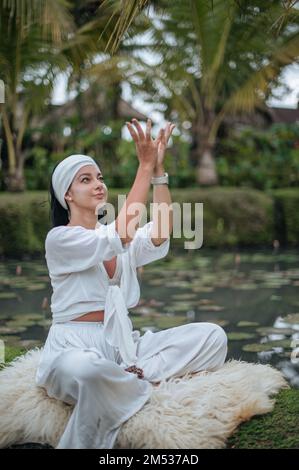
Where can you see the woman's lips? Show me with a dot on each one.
(99, 195)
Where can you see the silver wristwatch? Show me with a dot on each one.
(160, 179)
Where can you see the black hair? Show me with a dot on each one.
(58, 214)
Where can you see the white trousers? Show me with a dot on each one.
(79, 367)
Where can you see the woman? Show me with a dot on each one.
(92, 358)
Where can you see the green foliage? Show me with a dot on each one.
(24, 223)
(232, 216)
(38, 173)
(287, 214)
(116, 157)
(262, 159)
(11, 353)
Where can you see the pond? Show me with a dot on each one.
(253, 295)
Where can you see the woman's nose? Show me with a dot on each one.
(100, 185)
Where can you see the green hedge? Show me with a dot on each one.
(286, 202)
(232, 217)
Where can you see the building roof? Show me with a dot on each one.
(284, 115)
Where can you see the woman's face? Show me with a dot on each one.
(88, 189)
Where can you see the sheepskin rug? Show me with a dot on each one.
(197, 411)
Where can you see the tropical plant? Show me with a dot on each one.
(30, 33)
(216, 58)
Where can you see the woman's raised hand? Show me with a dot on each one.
(163, 143)
(146, 146)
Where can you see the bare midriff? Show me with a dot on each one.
(97, 315)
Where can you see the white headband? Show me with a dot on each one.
(65, 172)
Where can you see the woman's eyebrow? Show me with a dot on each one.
(89, 174)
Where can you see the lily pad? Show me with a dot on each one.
(239, 336)
(37, 286)
(45, 323)
(161, 322)
(180, 306)
(205, 302)
(258, 347)
(5, 330)
(184, 296)
(211, 308)
(142, 310)
(154, 282)
(220, 322)
(176, 284)
(275, 297)
(170, 322)
(275, 284)
(8, 295)
(202, 289)
(244, 323)
(269, 330)
(24, 320)
(29, 316)
(20, 323)
(245, 286)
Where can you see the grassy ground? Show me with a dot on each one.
(276, 430)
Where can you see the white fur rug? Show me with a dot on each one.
(199, 411)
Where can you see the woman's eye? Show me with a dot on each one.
(101, 178)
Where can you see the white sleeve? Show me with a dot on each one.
(142, 248)
(77, 248)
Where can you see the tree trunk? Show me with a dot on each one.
(15, 178)
(15, 182)
(206, 173)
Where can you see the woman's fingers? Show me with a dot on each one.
(132, 132)
(138, 134)
(159, 136)
(139, 129)
(148, 129)
(169, 129)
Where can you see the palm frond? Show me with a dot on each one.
(53, 16)
(253, 92)
(125, 11)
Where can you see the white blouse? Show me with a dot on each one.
(81, 283)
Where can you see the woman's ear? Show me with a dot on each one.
(68, 197)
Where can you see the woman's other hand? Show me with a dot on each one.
(146, 146)
(163, 144)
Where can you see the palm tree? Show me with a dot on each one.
(217, 58)
(30, 32)
(38, 40)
